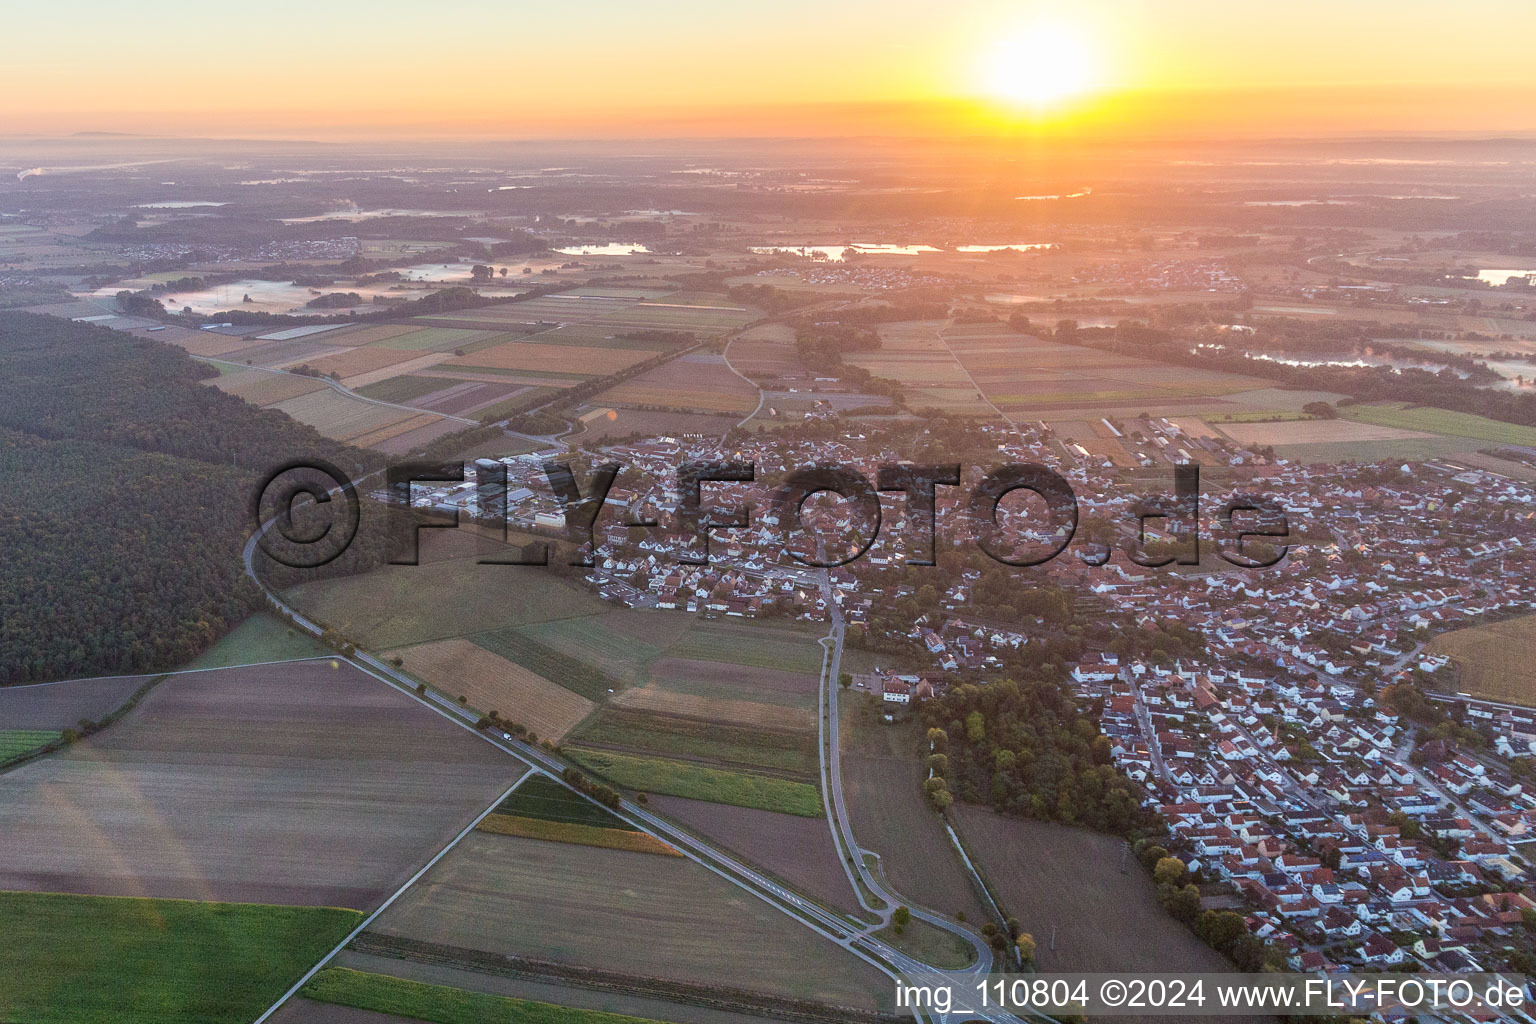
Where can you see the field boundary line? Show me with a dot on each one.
(354, 933)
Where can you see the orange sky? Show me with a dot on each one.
(687, 67)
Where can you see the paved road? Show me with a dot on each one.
(852, 936)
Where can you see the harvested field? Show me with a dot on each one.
(296, 783)
(697, 782)
(1492, 661)
(882, 780)
(766, 354)
(466, 397)
(570, 360)
(337, 416)
(748, 713)
(416, 439)
(1048, 874)
(798, 850)
(200, 343)
(400, 605)
(655, 423)
(393, 430)
(459, 667)
(735, 681)
(383, 373)
(698, 382)
(560, 903)
(261, 387)
(570, 832)
(360, 360)
(299, 1010)
(1313, 432)
(432, 339)
(61, 705)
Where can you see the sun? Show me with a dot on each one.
(1041, 66)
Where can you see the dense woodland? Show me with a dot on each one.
(1026, 750)
(125, 499)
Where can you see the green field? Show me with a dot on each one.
(743, 644)
(261, 637)
(943, 949)
(405, 388)
(113, 960)
(14, 742)
(698, 740)
(1440, 421)
(440, 1004)
(604, 643)
(400, 605)
(678, 778)
(543, 797)
(556, 666)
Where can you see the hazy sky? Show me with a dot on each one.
(604, 67)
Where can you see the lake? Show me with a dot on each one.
(605, 249)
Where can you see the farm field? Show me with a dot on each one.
(400, 605)
(1289, 432)
(439, 1004)
(1022, 374)
(882, 787)
(702, 740)
(356, 361)
(18, 741)
(766, 354)
(331, 790)
(916, 355)
(697, 381)
(654, 423)
(488, 682)
(577, 361)
(697, 782)
(540, 989)
(799, 850)
(1053, 875)
(60, 705)
(340, 417)
(261, 637)
(266, 387)
(559, 902)
(111, 960)
(580, 835)
(1440, 421)
(1494, 659)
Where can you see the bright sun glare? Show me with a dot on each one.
(1040, 66)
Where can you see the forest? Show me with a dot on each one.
(1024, 749)
(126, 500)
